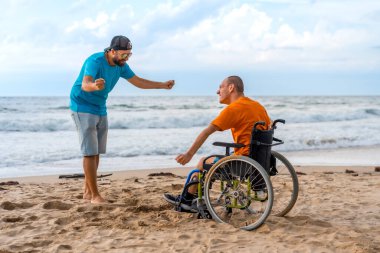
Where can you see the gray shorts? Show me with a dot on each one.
(92, 130)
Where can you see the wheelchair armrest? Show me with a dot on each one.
(204, 161)
(228, 146)
(278, 142)
(219, 156)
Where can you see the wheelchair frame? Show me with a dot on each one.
(237, 184)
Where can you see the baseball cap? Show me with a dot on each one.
(119, 42)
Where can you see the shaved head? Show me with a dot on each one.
(237, 82)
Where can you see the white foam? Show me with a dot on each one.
(39, 132)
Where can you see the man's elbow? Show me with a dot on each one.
(136, 81)
(211, 129)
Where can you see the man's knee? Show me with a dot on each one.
(194, 176)
(203, 161)
(90, 157)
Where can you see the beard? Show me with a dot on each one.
(118, 62)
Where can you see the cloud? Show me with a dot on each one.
(222, 36)
(97, 26)
(102, 24)
(244, 36)
(195, 34)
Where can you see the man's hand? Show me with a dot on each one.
(183, 158)
(169, 84)
(186, 157)
(99, 84)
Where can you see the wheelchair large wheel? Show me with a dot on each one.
(285, 185)
(238, 191)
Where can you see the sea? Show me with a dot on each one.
(38, 136)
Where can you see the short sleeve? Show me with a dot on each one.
(225, 120)
(91, 68)
(127, 72)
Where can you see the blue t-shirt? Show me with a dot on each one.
(95, 102)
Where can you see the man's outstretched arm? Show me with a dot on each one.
(147, 84)
(202, 137)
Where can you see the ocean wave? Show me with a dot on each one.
(125, 122)
(129, 147)
(307, 116)
(30, 148)
(331, 142)
(301, 145)
(174, 119)
(5, 109)
(375, 112)
(164, 107)
(160, 123)
(66, 108)
(41, 131)
(52, 114)
(49, 125)
(123, 106)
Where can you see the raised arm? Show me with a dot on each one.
(88, 84)
(202, 137)
(147, 84)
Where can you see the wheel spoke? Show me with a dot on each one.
(231, 197)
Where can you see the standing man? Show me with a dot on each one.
(98, 76)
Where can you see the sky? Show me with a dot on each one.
(278, 47)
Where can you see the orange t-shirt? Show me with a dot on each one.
(240, 116)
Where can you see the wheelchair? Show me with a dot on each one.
(244, 190)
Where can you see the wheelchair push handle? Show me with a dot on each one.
(276, 121)
(262, 123)
(278, 141)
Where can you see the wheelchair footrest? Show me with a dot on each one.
(206, 215)
(179, 208)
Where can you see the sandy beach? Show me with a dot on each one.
(335, 212)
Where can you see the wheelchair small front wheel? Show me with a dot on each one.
(238, 191)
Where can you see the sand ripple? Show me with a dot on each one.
(335, 212)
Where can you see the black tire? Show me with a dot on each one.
(285, 186)
(238, 191)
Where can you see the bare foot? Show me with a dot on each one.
(87, 196)
(98, 200)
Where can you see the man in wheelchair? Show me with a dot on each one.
(240, 115)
